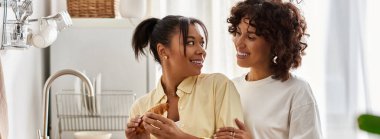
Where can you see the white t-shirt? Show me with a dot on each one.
(279, 110)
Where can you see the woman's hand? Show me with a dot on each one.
(233, 133)
(162, 127)
(131, 133)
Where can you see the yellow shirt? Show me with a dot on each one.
(206, 103)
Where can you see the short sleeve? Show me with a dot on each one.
(227, 104)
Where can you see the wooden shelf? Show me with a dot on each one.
(105, 22)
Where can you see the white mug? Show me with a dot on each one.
(47, 35)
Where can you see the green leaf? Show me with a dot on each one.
(369, 123)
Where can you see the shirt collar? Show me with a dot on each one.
(188, 84)
(185, 86)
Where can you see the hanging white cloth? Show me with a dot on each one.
(3, 108)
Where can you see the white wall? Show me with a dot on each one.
(24, 73)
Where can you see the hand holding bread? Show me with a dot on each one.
(158, 109)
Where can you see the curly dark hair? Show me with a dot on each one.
(281, 25)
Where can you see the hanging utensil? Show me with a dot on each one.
(28, 8)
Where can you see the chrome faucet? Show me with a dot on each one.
(46, 92)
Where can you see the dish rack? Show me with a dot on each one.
(102, 112)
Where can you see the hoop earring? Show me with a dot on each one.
(274, 60)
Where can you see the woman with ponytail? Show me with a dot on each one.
(199, 103)
(276, 104)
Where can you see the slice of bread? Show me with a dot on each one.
(158, 109)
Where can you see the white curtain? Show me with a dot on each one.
(371, 53)
(347, 67)
(343, 34)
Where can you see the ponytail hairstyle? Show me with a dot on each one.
(281, 25)
(153, 31)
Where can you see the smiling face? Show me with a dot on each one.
(252, 50)
(189, 62)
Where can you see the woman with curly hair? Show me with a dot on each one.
(276, 104)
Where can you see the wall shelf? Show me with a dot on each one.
(105, 22)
